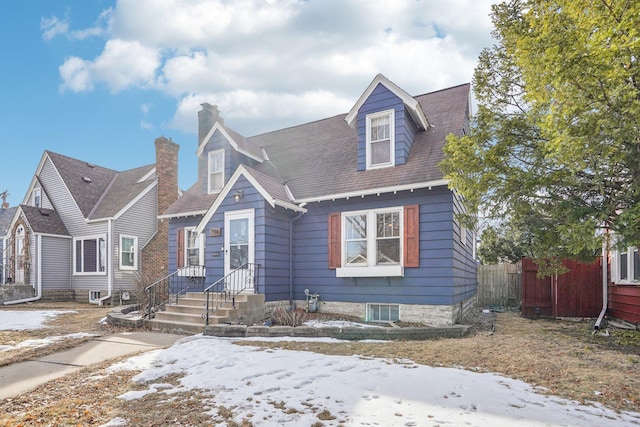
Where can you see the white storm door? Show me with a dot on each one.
(239, 249)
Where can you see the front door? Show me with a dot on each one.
(239, 250)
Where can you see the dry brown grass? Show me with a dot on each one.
(83, 318)
(562, 356)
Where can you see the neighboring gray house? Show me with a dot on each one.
(6, 215)
(81, 229)
(352, 207)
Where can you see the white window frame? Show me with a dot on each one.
(381, 306)
(37, 198)
(392, 139)
(190, 269)
(371, 268)
(134, 252)
(210, 172)
(101, 255)
(630, 264)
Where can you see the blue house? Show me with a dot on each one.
(353, 208)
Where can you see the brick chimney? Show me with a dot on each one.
(155, 255)
(167, 172)
(207, 117)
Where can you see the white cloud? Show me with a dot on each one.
(76, 75)
(264, 60)
(52, 27)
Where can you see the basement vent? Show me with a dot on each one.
(94, 297)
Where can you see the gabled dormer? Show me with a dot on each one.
(221, 150)
(387, 120)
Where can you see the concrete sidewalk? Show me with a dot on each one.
(24, 376)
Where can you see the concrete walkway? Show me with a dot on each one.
(25, 376)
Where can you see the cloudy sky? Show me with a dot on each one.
(100, 80)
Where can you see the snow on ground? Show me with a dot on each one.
(356, 390)
(18, 320)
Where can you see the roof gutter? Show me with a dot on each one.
(291, 221)
(109, 263)
(38, 278)
(605, 283)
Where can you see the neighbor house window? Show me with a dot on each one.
(89, 255)
(37, 198)
(380, 139)
(216, 170)
(128, 252)
(627, 265)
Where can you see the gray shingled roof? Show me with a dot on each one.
(86, 182)
(192, 201)
(273, 186)
(44, 220)
(123, 189)
(6, 215)
(319, 159)
(100, 192)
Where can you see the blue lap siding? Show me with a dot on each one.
(439, 280)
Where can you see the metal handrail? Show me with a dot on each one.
(228, 287)
(159, 293)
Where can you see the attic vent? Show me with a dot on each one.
(91, 165)
(44, 213)
(86, 179)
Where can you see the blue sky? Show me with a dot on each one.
(100, 80)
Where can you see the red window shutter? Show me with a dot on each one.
(412, 236)
(180, 246)
(335, 256)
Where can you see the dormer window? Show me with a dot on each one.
(216, 171)
(380, 139)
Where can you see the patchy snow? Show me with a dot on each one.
(356, 390)
(43, 342)
(18, 320)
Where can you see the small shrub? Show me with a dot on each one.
(288, 316)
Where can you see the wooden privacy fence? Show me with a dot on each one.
(500, 285)
(577, 293)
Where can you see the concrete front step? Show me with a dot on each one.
(188, 314)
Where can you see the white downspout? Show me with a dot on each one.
(38, 277)
(109, 262)
(605, 283)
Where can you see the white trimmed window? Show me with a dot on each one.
(372, 243)
(380, 139)
(90, 255)
(128, 252)
(626, 265)
(215, 171)
(37, 198)
(190, 252)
